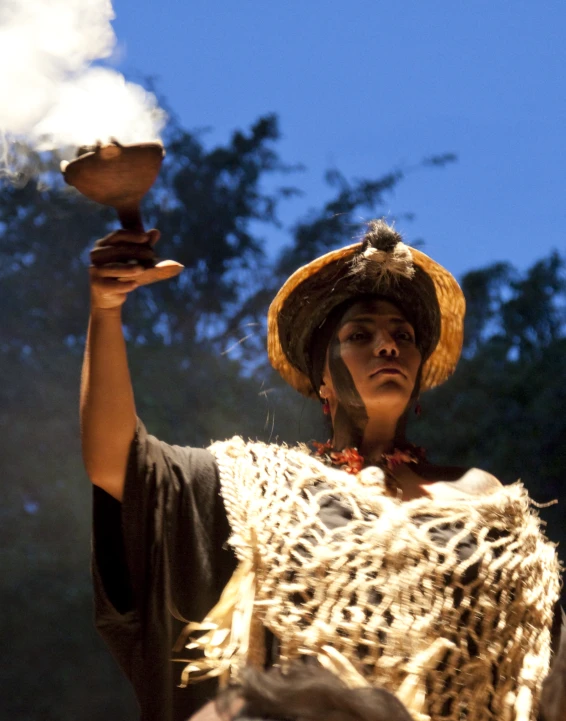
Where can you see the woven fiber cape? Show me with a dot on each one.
(381, 598)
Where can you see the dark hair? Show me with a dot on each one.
(307, 692)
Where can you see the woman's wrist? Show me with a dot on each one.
(101, 312)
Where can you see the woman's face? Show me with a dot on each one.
(376, 344)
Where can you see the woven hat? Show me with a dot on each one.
(381, 264)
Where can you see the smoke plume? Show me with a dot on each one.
(53, 97)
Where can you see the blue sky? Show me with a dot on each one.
(367, 86)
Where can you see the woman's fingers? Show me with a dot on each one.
(125, 246)
(164, 270)
(128, 236)
(117, 271)
(109, 286)
(154, 236)
(123, 252)
(116, 285)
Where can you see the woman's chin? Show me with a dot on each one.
(390, 400)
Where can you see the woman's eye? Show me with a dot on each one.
(357, 335)
(405, 335)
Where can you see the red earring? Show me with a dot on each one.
(325, 407)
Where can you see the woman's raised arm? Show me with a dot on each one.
(108, 414)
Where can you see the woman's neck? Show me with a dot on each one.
(381, 436)
(378, 437)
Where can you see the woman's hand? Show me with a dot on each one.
(110, 285)
(121, 262)
(118, 263)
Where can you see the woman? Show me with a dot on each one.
(434, 583)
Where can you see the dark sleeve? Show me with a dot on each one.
(159, 557)
(553, 696)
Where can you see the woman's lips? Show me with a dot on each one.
(393, 370)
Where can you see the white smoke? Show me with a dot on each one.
(51, 95)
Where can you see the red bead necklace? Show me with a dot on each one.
(351, 461)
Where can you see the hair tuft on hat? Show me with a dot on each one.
(382, 257)
(381, 236)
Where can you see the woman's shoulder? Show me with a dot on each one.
(238, 448)
(472, 481)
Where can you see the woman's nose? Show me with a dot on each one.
(386, 347)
